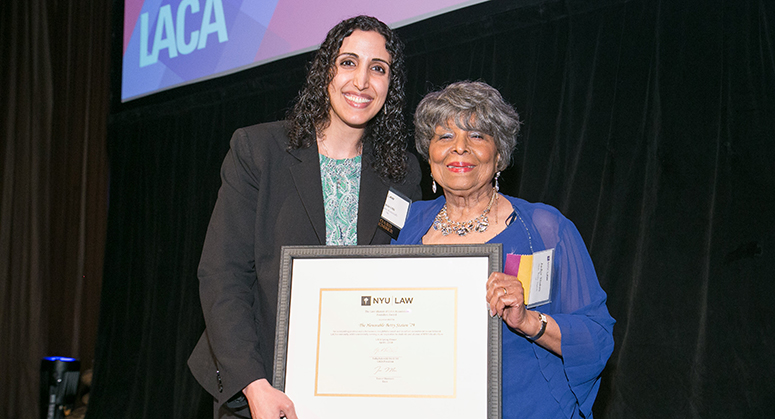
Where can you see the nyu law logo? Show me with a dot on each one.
(367, 300)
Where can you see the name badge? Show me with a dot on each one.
(394, 213)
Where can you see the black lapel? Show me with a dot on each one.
(370, 202)
(306, 177)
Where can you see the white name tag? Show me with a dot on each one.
(535, 273)
(394, 213)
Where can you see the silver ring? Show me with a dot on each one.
(505, 291)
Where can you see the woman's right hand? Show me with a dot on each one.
(266, 402)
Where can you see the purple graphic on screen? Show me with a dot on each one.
(169, 43)
(174, 42)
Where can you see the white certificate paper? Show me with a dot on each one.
(389, 336)
(375, 342)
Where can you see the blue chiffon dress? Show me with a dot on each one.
(535, 382)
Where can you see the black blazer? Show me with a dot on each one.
(269, 197)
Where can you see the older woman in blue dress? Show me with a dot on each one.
(553, 354)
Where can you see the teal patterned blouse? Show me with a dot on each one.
(341, 186)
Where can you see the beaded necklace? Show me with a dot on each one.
(478, 224)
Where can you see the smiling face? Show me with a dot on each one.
(462, 162)
(360, 85)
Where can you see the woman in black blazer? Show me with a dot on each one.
(320, 177)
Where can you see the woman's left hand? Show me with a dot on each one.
(507, 299)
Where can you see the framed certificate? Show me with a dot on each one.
(388, 331)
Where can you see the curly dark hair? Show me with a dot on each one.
(384, 138)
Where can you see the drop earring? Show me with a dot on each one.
(497, 188)
(433, 185)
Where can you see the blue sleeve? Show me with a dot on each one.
(579, 308)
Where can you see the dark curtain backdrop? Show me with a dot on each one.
(54, 104)
(649, 123)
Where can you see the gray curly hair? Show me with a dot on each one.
(473, 106)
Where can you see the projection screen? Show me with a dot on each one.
(171, 43)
